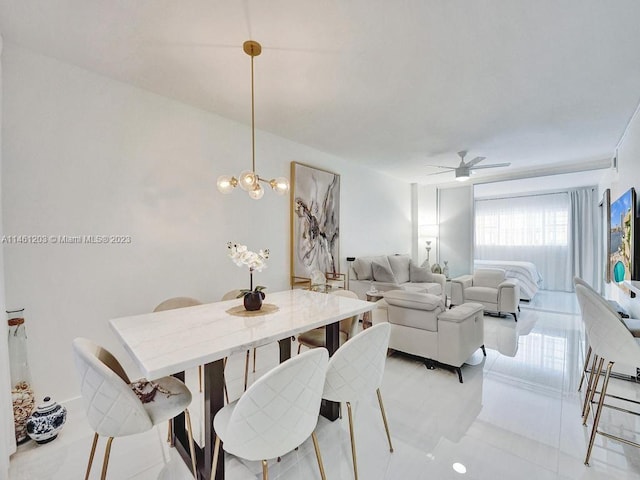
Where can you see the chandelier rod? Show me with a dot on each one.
(253, 121)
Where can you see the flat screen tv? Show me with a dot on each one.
(622, 238)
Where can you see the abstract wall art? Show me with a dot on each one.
(315, 221)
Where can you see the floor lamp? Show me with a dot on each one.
(350, 260)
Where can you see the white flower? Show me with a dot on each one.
(240, 255)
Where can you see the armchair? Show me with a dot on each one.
(420, 325)
(489, 287)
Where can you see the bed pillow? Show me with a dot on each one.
(420, 274)
(383, 273)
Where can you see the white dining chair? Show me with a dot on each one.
(182, 302)
(610, 340)
(633, 325)
(317, 337)
(356, 370)
(114, 410)
(276, 414)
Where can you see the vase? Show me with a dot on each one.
(253, 300)
(21, 391)
(445, 269)
(46, 422)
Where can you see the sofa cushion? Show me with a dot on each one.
(415, 300)
(383, 273)
(419, 274)
(400, 267)
(481, 294)
(424, 287)
(362, 266)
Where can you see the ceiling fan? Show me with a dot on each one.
(463, 170)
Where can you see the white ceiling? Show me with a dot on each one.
(394, 84)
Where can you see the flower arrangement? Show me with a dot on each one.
(242, 256)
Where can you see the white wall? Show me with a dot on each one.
(7, 437)
(86, 155)
(627, 176)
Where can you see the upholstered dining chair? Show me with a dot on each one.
(612, 341)
(276, 414)
(316, 337)
(113, 408)
(182, 302)
(632, 324)
(230, 295)
(356, 370)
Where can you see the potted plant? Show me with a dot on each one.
(241, 256)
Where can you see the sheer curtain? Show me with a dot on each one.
(532, 228)
(585, 236)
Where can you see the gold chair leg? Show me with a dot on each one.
(592, 377)
(105, 464)
(192, 450)
(265, 470)
(254, 360)
(594, 430)
(384, 419)
(170, 433)
(91, 455)
(584, 368)
(316, 446)
(593, 391)
(214, 464)
(246, 370)
(200, 377)
(353, 441)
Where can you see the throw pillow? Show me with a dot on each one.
(400, 267)
(382, 273)
(420, 274)
(362, 268)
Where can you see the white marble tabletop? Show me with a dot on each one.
(163, 343)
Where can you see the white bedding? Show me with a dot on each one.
(525, 272)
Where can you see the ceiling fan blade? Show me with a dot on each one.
(493, 165)
(438, 173)
(441, 166)
(471, 163)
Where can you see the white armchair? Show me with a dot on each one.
(420, 325)
(489, 287)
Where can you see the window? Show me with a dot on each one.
(541, 220)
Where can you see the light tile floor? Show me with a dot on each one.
(517, 416)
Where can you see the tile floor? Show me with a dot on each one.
(515, 416)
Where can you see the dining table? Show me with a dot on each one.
(172, 341)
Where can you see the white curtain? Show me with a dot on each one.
(532, 228)
(584, 238)
(7, 438)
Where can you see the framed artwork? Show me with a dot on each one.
(315, 221)
(621, 239)
(606, 210)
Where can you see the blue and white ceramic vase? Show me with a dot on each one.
(46, 422)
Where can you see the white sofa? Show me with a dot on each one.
(393, 272)
(421, 325)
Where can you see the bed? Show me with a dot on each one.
(525, 272)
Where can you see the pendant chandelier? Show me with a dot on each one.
(249, 180)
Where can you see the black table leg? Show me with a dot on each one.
(285, 349)
(213, 401)
(328, 409)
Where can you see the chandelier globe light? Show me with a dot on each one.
(249, 180)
